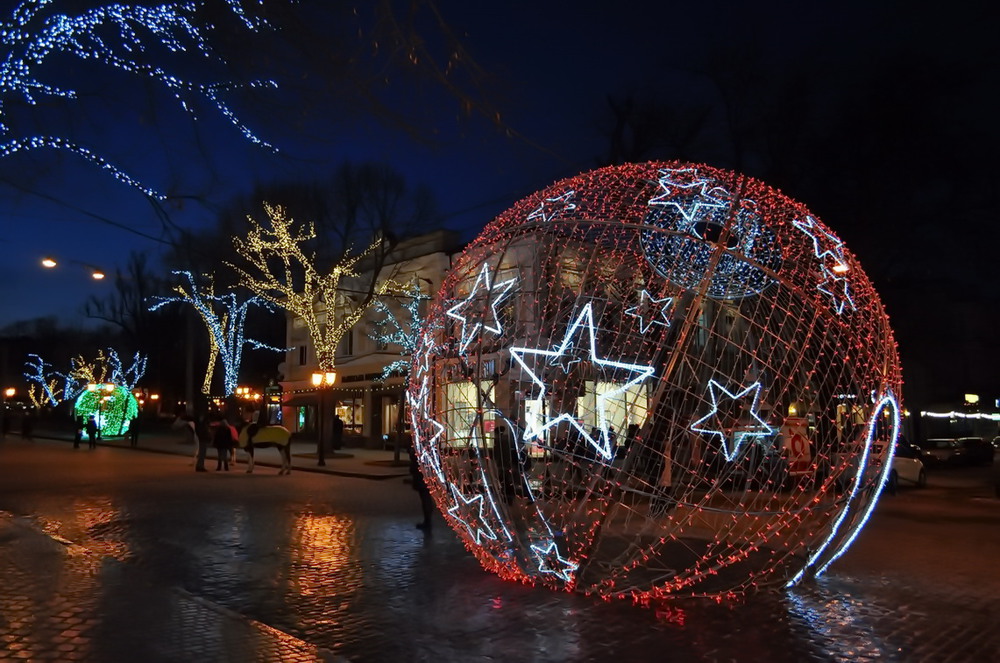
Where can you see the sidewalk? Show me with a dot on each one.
(349, 462)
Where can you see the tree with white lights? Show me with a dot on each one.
(282, 270)
(224, 317)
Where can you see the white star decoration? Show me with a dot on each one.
(467, 512)
(640, 311)
(550, 208)
(426, 451)
(733, 432)
(825, 245)
(838, 289)
(496, 291)
(690, 210)
(550, 561)
(640, 373)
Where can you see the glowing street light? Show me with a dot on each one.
(96, 273)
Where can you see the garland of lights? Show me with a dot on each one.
(287, 276)
(50, 387)
(226, 337)
(655, 380)
(31, 35)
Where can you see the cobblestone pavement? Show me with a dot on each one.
(116, 555)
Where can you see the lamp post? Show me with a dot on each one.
(323, 381)
(107, 388)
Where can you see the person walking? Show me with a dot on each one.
(419, 485)
(91, 432)
(133, 433)
(224, 439)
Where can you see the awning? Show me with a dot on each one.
(300, 400)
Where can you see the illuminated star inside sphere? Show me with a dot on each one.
(550, 208)
(487, 294)
(584, 322)
(470, 512)
(550, 561)
(733, 418)
(648, 313)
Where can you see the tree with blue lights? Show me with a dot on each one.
(129, 38)
(224, 317)
(399, 329)
(50, 387)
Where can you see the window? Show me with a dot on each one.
(352, 411)
(303, 355)
(347, 343)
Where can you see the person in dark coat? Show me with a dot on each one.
(91, 432)
(420, 485)
(338, 431)
(78, 434)
(133, 433)
(224, 439)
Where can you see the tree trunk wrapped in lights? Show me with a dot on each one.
(225, 329)
(653, 380)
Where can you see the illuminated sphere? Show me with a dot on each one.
(653, 380)
(114, 411)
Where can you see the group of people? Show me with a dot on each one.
(218, 431)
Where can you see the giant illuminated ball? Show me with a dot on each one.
(652, 380)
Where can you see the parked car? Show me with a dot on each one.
(977, 450)
(907, 468)
(942, 451)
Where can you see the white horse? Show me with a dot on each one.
(264, 437)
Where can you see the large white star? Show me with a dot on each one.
(470, 512)
(583, 321)
(550, 561)
(643, 308)
(703, 197)
(550, 208)
(497, 292)
(730, 425)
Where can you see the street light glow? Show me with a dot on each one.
(49, 263)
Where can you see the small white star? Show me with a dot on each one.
(646, 302)
(838, 289)
(497, 292)
(550, 561)
(470, 511)
(550, 208)
(426, 451)
(825, 245)
(730, 426)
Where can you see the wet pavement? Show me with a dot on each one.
(126, 555)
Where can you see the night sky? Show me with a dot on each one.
(886, 109)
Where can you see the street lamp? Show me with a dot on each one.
(108, 388)
(322, 380)
(8, 393)
(96, 273)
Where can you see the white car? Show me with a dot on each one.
(907, 468)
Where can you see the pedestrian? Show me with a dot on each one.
(338, 431)
(224, 439)
(91, 432)
(420, 485)
(133, 433)
(79, 425)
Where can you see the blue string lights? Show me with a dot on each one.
(620, 418)
(117, 36)
(224, 317)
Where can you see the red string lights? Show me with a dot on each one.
(655, 380)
